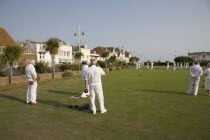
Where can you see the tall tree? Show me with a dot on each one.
(11, 55)
(52, 46)
(105, 54)
(78, 56)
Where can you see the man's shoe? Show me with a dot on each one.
(94, 112)
(188, 93)
(104, 111)
(34, 103)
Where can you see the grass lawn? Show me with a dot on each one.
(151, 106)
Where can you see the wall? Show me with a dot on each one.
(23, 79)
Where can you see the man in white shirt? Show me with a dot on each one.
(93, 75)
(174, 66)
(152, 65)
(147, 65)
(181, 65)
(32, 83)
(167, 66)
(186, 65)
(84, 69)
(137, 66)
(195, 73)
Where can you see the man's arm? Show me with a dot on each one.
(34, 77)
(191, 72)
(102, 71)
(201, 72)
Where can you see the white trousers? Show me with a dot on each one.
(31, 93)
(152, 67)
(167, 67)
(194, 82)
(96, 90)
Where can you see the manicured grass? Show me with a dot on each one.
(151, 106)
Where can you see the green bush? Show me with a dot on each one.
(65, 67)
(41, 67)
(110, 69)
(3, 74)
(37, 77)
(102, 64)
(75, 67)
(67, 74)
(117, 68)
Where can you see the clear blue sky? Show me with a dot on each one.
(153, 29)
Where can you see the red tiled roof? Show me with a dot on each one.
(5, 38)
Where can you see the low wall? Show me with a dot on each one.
(23, 78)
(44, 76)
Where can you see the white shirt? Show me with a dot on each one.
(30, 70)
(93, 75)
(84, 69)
(207, 72)
(152, 64)
(196, 70)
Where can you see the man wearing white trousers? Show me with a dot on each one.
(174, 66)
(93, 75)
(167, 66)
(147, 65)
(152, 65)
(137, 66)
(32, 83)
(195, 73)
(84, 69)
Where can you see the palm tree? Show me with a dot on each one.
(11, 55)
(52, 46)
(105, 55)
(78, 56)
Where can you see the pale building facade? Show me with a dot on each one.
(84, 50)
(64, 52)
(200, 56)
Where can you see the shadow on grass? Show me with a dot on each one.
(160, 91)
(52, 103)
(62, 92)
(57, 104)
(172, 92)
(13, 98)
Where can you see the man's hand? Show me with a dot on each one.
(34, 78)
(195, 77)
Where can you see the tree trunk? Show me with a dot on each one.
(79, 69)
(106, 64)
(53, 72)
(10, 74)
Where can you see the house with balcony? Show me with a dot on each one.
(64, 52)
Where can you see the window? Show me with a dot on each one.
(60, 43)
(64, 53)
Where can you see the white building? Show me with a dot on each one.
(85, 51)
(121, 54)
(199, 56)
(64, 53)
